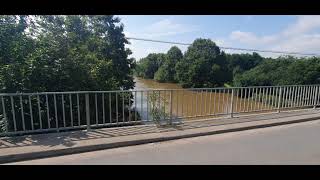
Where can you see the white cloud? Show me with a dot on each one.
(300, 43)
(303, 25)
(220, 42)
(161, 30)
(251, 38)
(167, 27)
(127, 34)
(297, 37)
(142, 49)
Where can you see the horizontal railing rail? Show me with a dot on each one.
(42, 112)
(151, 89)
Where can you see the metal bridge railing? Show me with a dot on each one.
(25, 113)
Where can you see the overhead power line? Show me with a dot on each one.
(229, 48)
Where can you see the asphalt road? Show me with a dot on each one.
(289, 144)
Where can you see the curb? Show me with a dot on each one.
(89, 148)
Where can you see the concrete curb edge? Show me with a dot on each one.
(89, 148)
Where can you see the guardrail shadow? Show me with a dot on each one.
(69, 139)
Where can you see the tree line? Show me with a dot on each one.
(80, 53)
(282, 71)
(62, 53)
(205, 65)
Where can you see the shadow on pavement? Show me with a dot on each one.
(68, 139)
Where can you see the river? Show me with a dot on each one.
(192, 103)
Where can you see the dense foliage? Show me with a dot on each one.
(61, 53)
(202, 65)
(79, 53)
(205, 65)
(281, 71)
(148, 66)
(167, 71)
(239, 63)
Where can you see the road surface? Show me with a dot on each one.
(289, 144)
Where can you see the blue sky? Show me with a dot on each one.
(283, 33)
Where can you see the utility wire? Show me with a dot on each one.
(229, 48)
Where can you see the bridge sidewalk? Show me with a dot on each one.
(47, 145)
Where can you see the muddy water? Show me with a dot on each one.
(193, 104)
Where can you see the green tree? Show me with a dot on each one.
(167, 71)
(148, 66)
(281, 71)
(203, 65)
(15, 48)
(66, 53)
(239, 63)
(63, 53)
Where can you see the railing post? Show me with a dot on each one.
(279, 100)
(315, 98)
(87, 111)
(170, 106)
(5, 118)
(231, 103)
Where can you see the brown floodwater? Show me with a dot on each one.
(193, 104)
